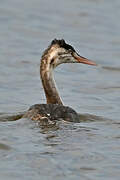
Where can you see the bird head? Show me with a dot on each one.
(60, 52)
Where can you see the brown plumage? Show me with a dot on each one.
(57, 53)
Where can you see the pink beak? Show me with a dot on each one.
(83, 60)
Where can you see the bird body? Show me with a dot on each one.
(52, 112)
(57, 53)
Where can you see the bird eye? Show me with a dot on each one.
(52, 61)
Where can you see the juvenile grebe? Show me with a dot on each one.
(57, 53)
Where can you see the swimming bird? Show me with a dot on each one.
(57, 53)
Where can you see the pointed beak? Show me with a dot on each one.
(83, 60)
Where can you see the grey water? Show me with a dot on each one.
(89, 150)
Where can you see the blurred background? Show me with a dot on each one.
(87, 150)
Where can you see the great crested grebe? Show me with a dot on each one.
(57, 53)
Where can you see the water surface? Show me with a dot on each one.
(88, 150)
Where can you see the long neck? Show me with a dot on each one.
(51, 92)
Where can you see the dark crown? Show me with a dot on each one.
(62, 44)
